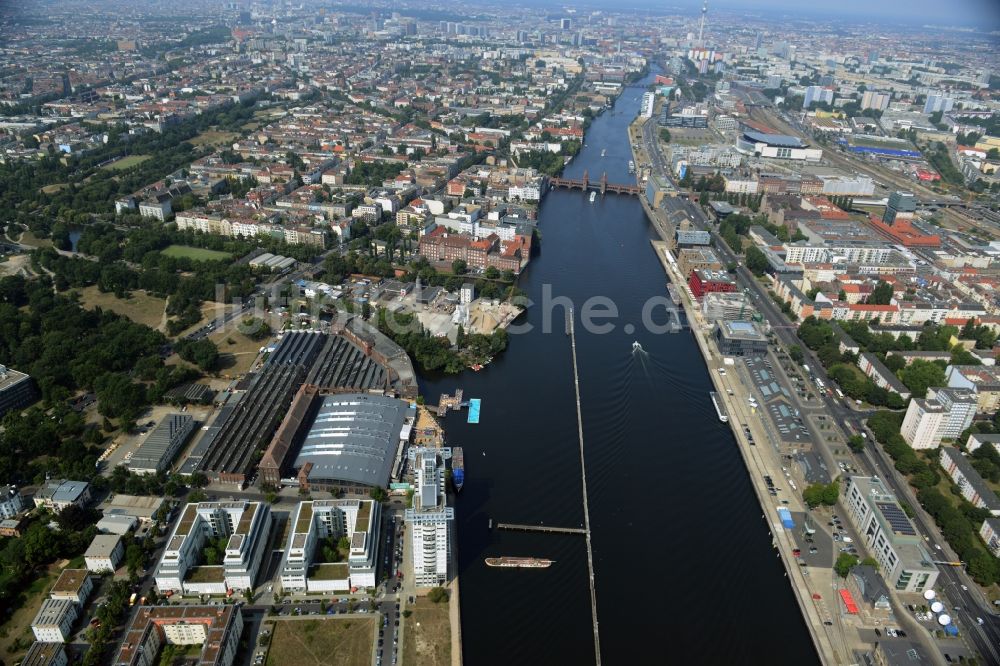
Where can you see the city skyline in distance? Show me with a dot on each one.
(982, 15)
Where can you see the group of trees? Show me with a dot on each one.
(544, 161)
(845, 562)
(436, 354)
(939, 157)
(67, 349)
(959, 525)
(86, 188)
(201, 352)
(373, 174)
(751, 201)
(918, 375)
(825, 494)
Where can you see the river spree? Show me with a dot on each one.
(684, 566)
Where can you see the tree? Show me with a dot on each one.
(845, 562)
(459, 267)
(920, 375)
(856, 442)
(202, 353)
(437, 595)
(665, 135)
(756, 260)
(881, 294)
(795, 353)
(821, 493)
(378, 494)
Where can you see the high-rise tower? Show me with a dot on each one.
(701, 28)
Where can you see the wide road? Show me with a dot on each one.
(955, 583)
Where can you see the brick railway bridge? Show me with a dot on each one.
(602, 185)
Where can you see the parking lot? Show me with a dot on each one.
(815, 549)
(778, 402)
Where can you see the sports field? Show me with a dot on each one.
(196, 253)
(126, 162)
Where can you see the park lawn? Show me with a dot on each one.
(237, 352)
(19, 624)
(28, 238)
(195, 253)
(126, 162)
(427, 634)
(213, 137)
(332, 641)
(140, 307)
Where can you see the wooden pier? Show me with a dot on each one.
(586, 508)
(602, 185)
(540, 528)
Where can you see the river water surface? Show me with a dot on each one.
(683, 561)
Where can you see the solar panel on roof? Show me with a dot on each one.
(897, 519)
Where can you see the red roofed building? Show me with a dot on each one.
(903, 232)
(444, 246)
(704, 281)
(826, 208)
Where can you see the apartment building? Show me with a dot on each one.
(45, 654)
(57, 494)
(54, 621)
(303, 570)
(431, 520)
(968, 480)
(74, 585)
(990, 533)
(216, 628)
(889, 535)
(243, 525)
(944, 414)
(883, 377)
(105, 553)
(11, 502)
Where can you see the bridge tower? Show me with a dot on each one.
(604, 182)
(586, 180)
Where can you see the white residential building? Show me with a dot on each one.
(57, 494)
(978, 439)
(357, 520)
(990, 532)
(11, 502)
(817, 94)
(431, 519)
(105, 553)
(45, 654)
(968, 480)
(944, 414)
(529, 192)
(648, 104)
(54, 621)
(938, 102)
(74, 585)
(245, 527)
(872, 99)
(889, 535)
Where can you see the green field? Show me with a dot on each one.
(126, 162)
(196, 253)
(210, 137)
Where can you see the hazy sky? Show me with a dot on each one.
(979, 13)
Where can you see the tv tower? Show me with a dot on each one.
(701, 28)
